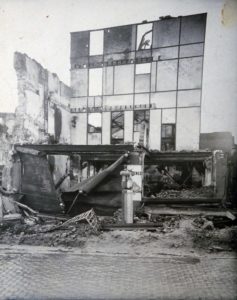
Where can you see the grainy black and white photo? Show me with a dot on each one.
(118, 149)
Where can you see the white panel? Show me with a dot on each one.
(123, 79)
(142, 99)
(79, 133)
(95, 82)
(164, 100)
(108, 75)
(143, 68)
(128, 126)
(106, 128)
(153, 76)
(187, 128)
(124, 100)
(168, 116)
(78, 102)
(189, 98)
(155, 129)
(96, 42)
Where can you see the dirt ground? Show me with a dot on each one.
(177, 235)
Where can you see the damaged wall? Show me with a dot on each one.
(43, 112)
(7, 122)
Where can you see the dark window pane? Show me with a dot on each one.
(168, 137)
(79, 44)
(165, 53)
(190, 73)
(191, 50)
(193, 29)
(117, 125)
(166, 33)
(119, 39)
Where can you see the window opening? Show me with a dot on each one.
(167, 137)
(117, 125)
(94, 128)
(144, 36)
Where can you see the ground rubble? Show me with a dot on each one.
(176, 235)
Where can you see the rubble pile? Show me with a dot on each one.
(203, 192)
(40, 234)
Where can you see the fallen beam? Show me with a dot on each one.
(190, 212)
(147, 226)
(150, 200)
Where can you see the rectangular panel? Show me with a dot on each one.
(106, 128)
(143, 68)
(37, 184)
(141, 122)
(165, 53)
(193, 29)
(166, 32)
(119, 39)
(79, 45)
(108, 76)
(144, 36)
(120, 100)
(190, 73)
(123, 79)
(91, 101)
(163, 100)
(98, 101)
(79, 82)
(128, 126)
(142, 83)
(189, 98)
(187, 134)
(96, 61)
(95, 82)
(168, 116)
(79, 129)
(143, 53)
(110, 58)
(94, 128)
(153, 76)
(166, 75)
(117, 127)
(142, 99)
(96, 42)
(155, 129)
(191, 50)
(167, 137)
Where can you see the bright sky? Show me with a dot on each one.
(42, 30)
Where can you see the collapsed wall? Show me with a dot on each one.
(43, 112)
(41, 117)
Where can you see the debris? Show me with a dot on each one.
(208, 225)
(89, 216)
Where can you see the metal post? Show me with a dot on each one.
(127, 206)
